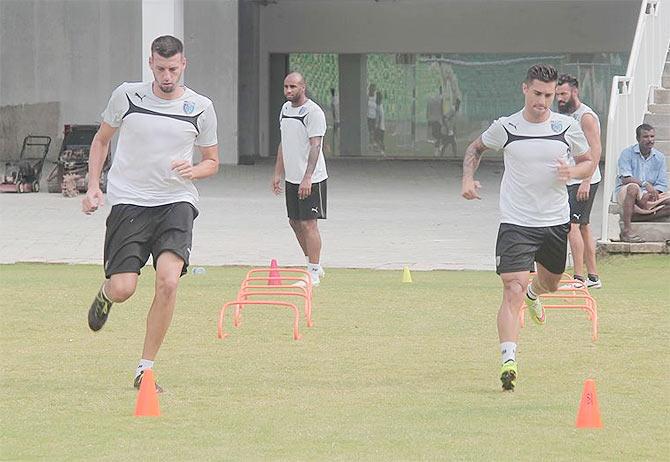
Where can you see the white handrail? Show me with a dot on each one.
(630, 93)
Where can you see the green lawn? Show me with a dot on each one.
(390, 371)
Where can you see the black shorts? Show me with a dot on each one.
(312, 207)
(135, 232)
(519, 247)
(435, 130)
(580, 211)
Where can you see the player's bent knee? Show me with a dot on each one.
(167, 285)
(121, 290)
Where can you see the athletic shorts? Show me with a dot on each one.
(435, 130)
(519, 247)
(580, 211)
(312, 207)
(135, 232)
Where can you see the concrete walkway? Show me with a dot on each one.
(381, 214)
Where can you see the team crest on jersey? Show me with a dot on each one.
(302, 110)
(556, 126)
(189, 107)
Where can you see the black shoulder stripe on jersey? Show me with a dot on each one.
(300, 118)
(133, 108)
(557, 137)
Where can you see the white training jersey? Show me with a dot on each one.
(577, 115)
(298, 125)
(530, 192)
(153, 132)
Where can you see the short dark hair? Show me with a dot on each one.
(542, 72)
(642, 128)
(570, 80)
(167, 46)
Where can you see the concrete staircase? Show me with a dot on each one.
(655, 233)
(659, 117)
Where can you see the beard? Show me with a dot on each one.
(167, 89)
(566, 108)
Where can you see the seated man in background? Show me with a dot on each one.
(642, 183)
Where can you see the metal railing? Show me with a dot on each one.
(630, 94)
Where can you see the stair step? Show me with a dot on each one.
(659, 108)
(658, 231)
(662, 133)
(626, 247)
(658, 121)
(663, 146)
(665, 81)
(662, 96)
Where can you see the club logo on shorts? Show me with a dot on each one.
(556, 126)
(189, 107)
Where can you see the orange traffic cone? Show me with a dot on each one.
(274, 279)
(589, 413)
(147, 399)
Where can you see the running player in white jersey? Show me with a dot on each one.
(300, 161)
(582, 192)
(150, 188)
(538, 148)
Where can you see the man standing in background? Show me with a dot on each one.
(582, 193)
(300, 161)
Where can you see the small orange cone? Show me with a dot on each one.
(274, 279)
(147, 398)
(589, 412)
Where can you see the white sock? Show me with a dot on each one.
(313, 269)
(144, 364)
(104, 294)
(508, 350)
(530, 293)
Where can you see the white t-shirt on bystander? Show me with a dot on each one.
(298, 125)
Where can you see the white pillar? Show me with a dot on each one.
(159, 17)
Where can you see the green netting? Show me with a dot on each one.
(487, 85)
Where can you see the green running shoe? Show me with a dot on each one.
(536, 310)
(508, 374)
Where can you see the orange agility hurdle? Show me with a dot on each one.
(247, 291)
(274, 282)
(291, 306)
(574, 297)
(298, 278)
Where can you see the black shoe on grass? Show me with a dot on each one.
(97, 314)
(138, 382)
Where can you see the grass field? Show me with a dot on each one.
(390, 371)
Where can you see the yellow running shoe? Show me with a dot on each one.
(508, 374)
(536, 310)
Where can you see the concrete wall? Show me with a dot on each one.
(73, 53)
(442, 26)
(210, 46)
(70, 53)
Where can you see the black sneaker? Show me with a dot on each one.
(138, 382)
(97, 314)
